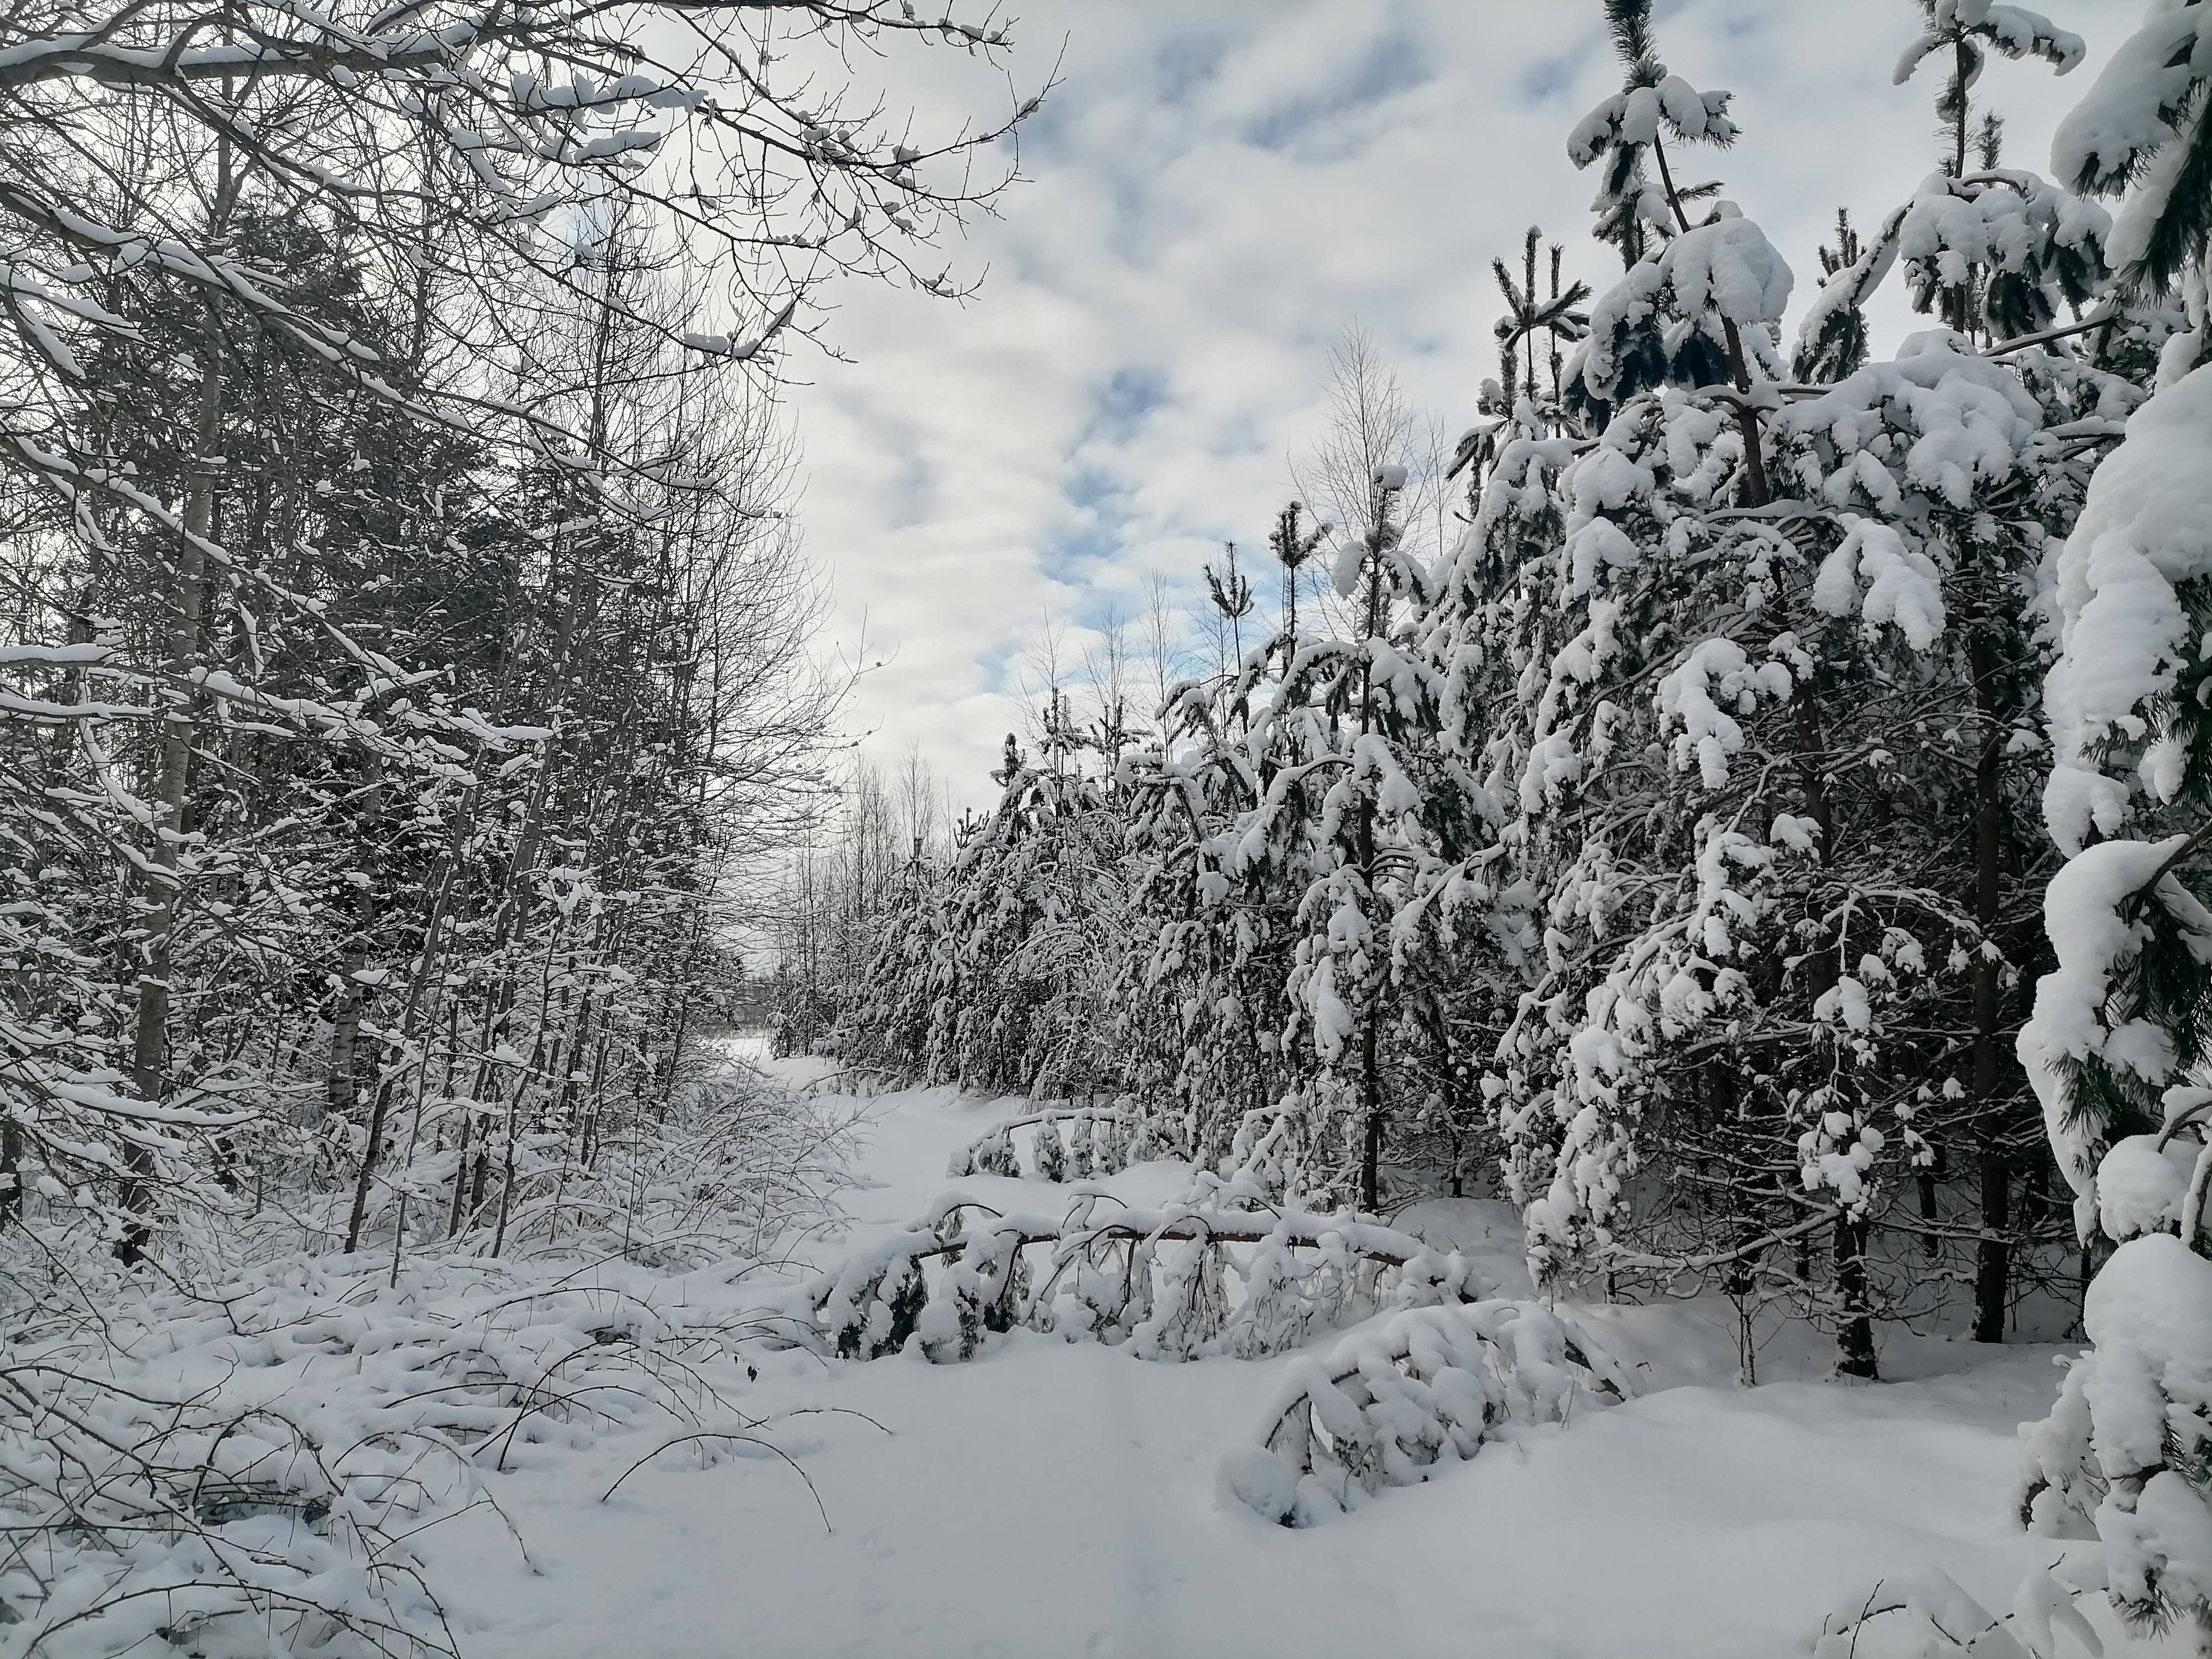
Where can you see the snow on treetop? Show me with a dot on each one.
(2145, 528)
(2012, 30)
(2136, 101)
(1904, 587)
(1636, 116)
(1970, 224)
(1971, 419)
(1725, 266)
(1730, 265)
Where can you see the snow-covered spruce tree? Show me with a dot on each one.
(1359, 708)
(1994, 254)
(2118, 1034)
(1770, 653)
(1987, 233)
(1280, 840)
(1021, 977)
(1684, 960)
(859, 879)
(1462, 940)
(1201, 1002)
(1220, 816)
(884, 1021)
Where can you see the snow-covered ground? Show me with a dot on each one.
(1052, 1498)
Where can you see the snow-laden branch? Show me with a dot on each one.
(1100, 1270)
(1385, 1407)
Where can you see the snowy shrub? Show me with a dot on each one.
(994, 1155)
(241, 1469)
(1383, 1408)
(1093, 1145)
(1051, 1151)
(134, 1519)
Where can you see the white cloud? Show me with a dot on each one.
(1212, 194)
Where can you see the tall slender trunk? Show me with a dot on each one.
(1370, 1106)
(1371, 1058)
(425, 971)
(11, 1170)
(1448, 1094)
(1993, 1254)
(150, 1051)
(341, 1080)
(460, 1174)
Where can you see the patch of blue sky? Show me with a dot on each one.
(1096, 532)
(1547, 77)
(1391, 64)
(996, 667)
(1184, 63)
(1123, 404)
(911, 499)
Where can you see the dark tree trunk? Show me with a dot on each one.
(1855, 1328)
(1993, 1254)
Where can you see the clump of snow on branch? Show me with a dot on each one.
(2125, 630)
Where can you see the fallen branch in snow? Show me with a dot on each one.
(1938, 1615)
(733, 1435)
(1384, 1407)
(745, 1435)
(1152, 1278)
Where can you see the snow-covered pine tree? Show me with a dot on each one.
(1994, 254)
(2120, 1026)
(1202, 1002)
(887, 1024)
(1034, 896)
(1360, 707)
(1743, 671)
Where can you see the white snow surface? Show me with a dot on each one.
(2124, 633)
(2126, 111)
(1054, 1498)
(1729, 265)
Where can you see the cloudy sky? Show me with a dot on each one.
(1218, 189)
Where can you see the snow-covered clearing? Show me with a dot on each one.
(612, 1458)
(1054, 1498)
